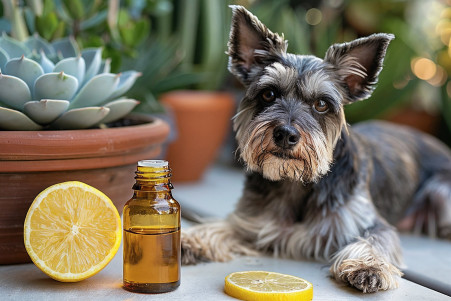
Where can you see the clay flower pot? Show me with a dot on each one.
(203, 120)
(418, 119)
(30, 161)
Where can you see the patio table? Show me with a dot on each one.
(215, 195)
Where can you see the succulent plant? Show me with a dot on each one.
(55, 86)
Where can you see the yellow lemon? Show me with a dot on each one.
(259, 285)
(72, 231)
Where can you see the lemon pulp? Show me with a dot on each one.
(72, 231)
(261, 285)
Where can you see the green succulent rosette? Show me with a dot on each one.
(56, 86)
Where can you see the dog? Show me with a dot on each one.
(317, 187)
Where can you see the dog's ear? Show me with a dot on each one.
(251, 45)
(358, 64)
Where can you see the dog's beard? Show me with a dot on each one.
(306, 162)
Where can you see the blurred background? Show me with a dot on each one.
(181, 44)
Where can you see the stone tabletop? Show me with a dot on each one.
(216, 195)
(203, 282)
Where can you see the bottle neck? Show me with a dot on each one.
(153, 179)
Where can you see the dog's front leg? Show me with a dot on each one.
(369, 263)
(215, 241)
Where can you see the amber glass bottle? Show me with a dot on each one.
(152, 232)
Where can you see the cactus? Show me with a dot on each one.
(55, 86)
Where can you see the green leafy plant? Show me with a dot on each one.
(185, 49)
(55, 86)
(93, 23)
(174, 44)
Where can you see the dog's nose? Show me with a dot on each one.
(286, 136)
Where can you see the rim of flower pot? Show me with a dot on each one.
(199, 101)
(22, 151)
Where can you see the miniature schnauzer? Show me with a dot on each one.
(316, 187)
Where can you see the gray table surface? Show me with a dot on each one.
(216, 195)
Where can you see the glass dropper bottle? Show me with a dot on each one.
(151, 221)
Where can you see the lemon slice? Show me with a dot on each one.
(72, 231)
(259, 285)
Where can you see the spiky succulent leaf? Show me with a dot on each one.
(105, 66)
(16, 121)
(14, 92)
(93, 60)
(46, 64)
(74, 66)
(12, 47)
(68, 47)
(81, 118)
(45, 111)
(55, 86)
(119, 108)
(34, 56)
(95, 91)
(126, 81)
(38, 44)
(25, 69)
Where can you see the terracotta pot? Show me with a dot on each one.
(30, 161)
(417, 119)
(203, 120)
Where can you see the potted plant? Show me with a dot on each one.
(200, 119)
(203, 121)
(62, 118)
(189, 57)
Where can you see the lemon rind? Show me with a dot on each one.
(70, 277)
(245, 293)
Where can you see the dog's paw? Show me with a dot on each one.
(212, 242)
(367, 280)
(191, 251)
(369, 277)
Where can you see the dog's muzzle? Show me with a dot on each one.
(286, 136)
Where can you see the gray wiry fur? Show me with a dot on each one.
(352, 63)
(250, 46)
(322, 190)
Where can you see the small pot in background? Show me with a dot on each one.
(203, 120)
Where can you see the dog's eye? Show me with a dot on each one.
(321, 106)
(268, 95)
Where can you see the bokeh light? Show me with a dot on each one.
(423, 68)
(443, 29)
(313, 16)
(439, 78)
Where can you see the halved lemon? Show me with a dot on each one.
(259, 285)
(72, 231)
